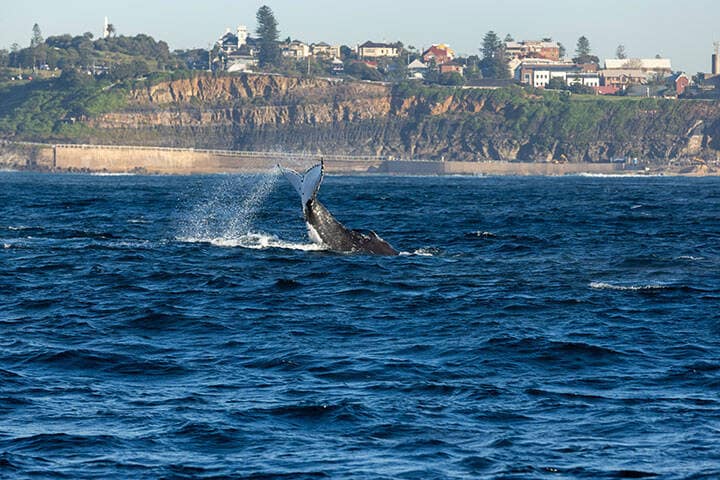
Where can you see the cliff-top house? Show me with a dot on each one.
(237, 51)
(323, 49)
(378, 50)
(532, 49)
(658, 67)
(439, 54)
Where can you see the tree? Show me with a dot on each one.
(494, 64)
(37, 38)
(451, 79)
(583, 47)
(111, 30)
(268, 35)
(584, 53)
(562, 51)
(491, 45)
(620, 52)
(556, 84)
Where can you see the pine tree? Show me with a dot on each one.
(620, 52)
(268, 34)
(494, 64)
(583, 47)
(37, 38)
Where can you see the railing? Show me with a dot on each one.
(228, 153)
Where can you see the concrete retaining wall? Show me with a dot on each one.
(117, 159)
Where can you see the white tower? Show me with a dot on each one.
(106, 30)
(242, 35)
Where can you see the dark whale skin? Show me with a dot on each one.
(340, 239)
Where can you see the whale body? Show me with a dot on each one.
(322, 227)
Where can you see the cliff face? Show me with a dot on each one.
(261, 112)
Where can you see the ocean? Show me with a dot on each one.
(532, 328)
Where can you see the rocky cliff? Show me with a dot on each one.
(266, 112)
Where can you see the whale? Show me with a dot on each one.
(322, 226)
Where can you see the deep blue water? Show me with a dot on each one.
(182, 327)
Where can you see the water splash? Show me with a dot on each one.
(229, 212)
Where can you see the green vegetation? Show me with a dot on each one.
(42, 109)
(100, 56)
(268, 35)
(494, 64)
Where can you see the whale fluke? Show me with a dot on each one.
(307, 184)
(322, 226)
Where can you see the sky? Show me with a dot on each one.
(684, 32)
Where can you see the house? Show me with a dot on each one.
(538, 74)
(516, 65)
(338, 67)
(657, 67)
(678, 82)
(532, 49)
(323, 49)
(622, 78)
(230, 43)
(586, 79)
(378, 50)
(237, 52)
(295, 49)
(417, 70)
(439, 54)
(452, 68)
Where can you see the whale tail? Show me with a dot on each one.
(306, 184)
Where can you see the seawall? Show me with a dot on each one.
(177, 161)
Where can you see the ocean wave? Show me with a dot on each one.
(610, 286)
(254, 241)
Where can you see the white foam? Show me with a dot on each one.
(420, 252)
(112, 174)
(609, 286)
(254, 241)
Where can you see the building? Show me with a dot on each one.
(323, 49)
(295, 49)
(106, 29)
(586, 79)
(538, 73)
(237, 52)
(678, 82)
(451, 68)
(657, 67)
(338, 67)
(231, 43)
(417, 70)
(439, 54)
(623, 78)
(378, 50)
(532, 49)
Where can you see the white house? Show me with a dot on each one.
(417, 70)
